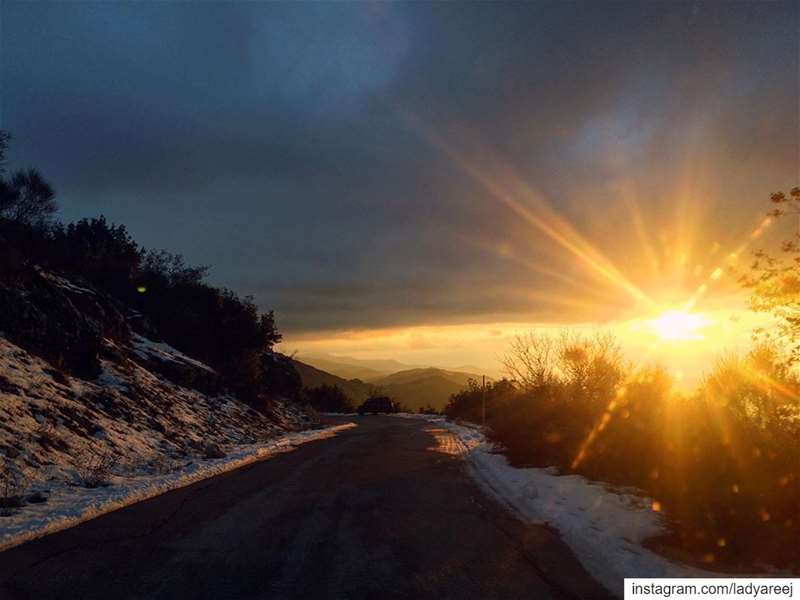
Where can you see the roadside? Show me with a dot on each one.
(69, 504)
(605, 527)
(377, 510)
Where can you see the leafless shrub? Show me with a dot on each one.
(532, 360)
(95, 468)
(162, 465)
(584, 363)
(13, 486)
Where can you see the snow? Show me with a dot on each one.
(146, 348)
(149, 434)
(419, 416)
(47, 423)
(64, 283)
(604, 527)
(152, 431)
(108, 378)
(69, 505)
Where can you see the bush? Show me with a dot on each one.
(468, 404)
(212, 324)
(328, 398)
(103, 253)
(722, 462)
(729, 456)
(563, 387)
(279, 376)
(95, 469)
(13, 486)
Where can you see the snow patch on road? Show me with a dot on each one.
(68, 504)
(604, 527)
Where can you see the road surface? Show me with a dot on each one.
(384, 510)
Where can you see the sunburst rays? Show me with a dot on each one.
(674, 322)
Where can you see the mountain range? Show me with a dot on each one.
(371, 368)
(413, 386)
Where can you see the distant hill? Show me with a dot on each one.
(367, 369)
(476, 372)
(414, 388)
(349, 367)
(344, 370)
(312, 377)
(412, 375)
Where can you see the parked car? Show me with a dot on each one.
(377, 404)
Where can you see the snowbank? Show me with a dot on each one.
(604, 527)
(69, 505)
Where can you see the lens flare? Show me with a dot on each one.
(677, 325)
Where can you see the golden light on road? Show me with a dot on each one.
(677, 325)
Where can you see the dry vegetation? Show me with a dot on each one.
(720, 463)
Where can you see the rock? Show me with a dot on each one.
(213, 451)
(11, 502)
(11, 452)
(49, 318)
(36, 498)
(8, 387)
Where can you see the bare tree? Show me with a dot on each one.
(590, 365)
(27, 198)
(532, 359)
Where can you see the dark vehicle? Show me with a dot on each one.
(377, 404)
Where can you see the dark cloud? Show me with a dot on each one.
(292, 147)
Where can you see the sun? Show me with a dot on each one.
(675, 325)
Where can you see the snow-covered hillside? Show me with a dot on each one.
(142, 417)
(52, 425)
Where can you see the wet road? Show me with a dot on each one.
(384, 510)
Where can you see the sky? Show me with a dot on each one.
(422, 181)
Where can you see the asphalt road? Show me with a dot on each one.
(385, 510)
